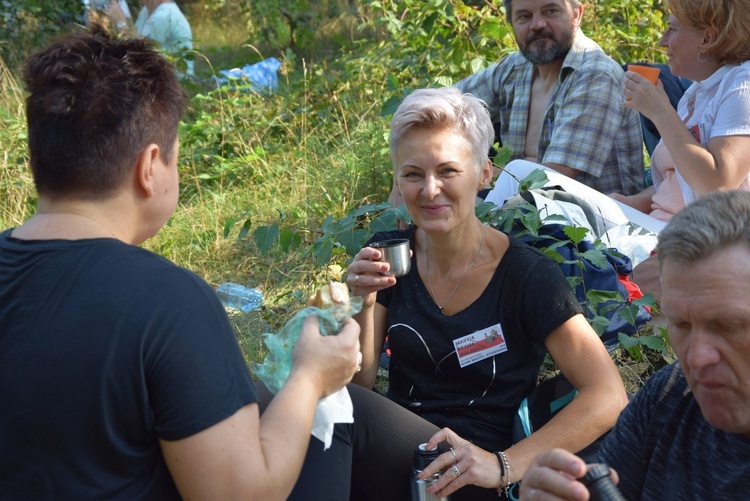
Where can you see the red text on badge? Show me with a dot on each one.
(480, 345)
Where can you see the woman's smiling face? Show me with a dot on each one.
(437, 177)
(683, 44)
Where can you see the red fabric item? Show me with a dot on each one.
(633, 290)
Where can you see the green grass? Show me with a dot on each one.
(316, 147)
(18, 197)
(313, 149)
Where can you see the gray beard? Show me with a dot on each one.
(557, 52)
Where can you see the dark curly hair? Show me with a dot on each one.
(94, 103)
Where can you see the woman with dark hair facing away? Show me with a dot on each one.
(120, 374)
(468, 326)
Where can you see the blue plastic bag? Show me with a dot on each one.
(275, 369)
(260, 77)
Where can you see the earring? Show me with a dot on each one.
(701, 53)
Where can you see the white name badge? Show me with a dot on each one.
(480, 345)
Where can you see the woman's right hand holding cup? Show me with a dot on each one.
(644, 91)
(367, 275)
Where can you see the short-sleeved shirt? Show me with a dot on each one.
(168, 26)
(527, 298)
(717, 106)
(663, 448)
(585, 127)
(105, 348)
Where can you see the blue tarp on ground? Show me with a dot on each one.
(260, 77)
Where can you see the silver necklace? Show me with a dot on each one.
(427, 270)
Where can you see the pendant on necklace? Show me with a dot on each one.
(427, 270)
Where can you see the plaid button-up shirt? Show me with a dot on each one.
(585, 125)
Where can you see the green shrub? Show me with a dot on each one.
(279, 189)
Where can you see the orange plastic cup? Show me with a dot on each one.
(647, 71)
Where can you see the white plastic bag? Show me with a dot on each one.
(632, 240)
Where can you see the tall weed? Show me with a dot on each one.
(18, 198)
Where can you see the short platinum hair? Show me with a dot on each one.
(445, 107)
(709, 225)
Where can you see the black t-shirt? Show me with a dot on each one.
(527, 298)
(104, 349)
(663, 448)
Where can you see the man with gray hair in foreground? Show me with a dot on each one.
(692, 419)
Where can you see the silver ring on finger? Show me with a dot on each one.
(454, 455)
(531, 495)
(455, 471)
(356, 280)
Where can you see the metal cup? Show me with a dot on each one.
(396, 253)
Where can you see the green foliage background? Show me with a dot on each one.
(265, 176)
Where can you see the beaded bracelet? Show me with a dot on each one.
(504, 474)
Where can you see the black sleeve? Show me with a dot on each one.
(546, 300)
(196, 374)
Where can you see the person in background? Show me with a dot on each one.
(90, 6)
(557, 100)
(468, 326)
(162, 21)
(120, 373)
(686, 434)
(705, 144)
